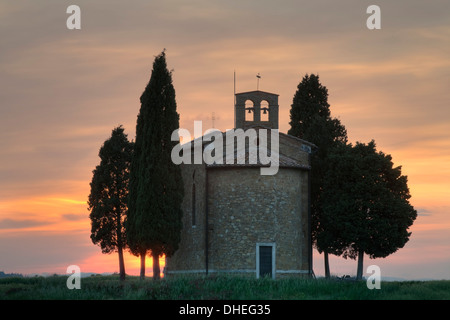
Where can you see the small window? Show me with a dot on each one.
(264, 110)
(249, 110)
(193, 206)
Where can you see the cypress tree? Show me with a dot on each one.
(108, 196)
(156, 186)
(310, 119)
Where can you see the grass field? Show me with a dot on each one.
(220, 287)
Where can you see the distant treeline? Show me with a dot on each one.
(10, 275)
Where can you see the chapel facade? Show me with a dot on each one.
(238, 221)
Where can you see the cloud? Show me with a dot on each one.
(8, 223)
(73, 216)
(423, 212)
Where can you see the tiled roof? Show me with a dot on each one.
(283, 160)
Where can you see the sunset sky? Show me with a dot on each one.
(63, 91)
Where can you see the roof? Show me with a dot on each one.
(242, 157)
(283, 162)
(312, 145)
(258, 92)
(257, 127)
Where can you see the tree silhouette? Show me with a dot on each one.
(156, 186)
(366, 204)
(109, 193)
(311, 120)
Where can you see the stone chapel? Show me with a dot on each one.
(237, 221)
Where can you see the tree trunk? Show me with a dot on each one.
(360, 265)
(327, 265)
(120, 237)
(142, 276)
(156, 269)
(121, 264)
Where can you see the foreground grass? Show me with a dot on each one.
(228, 288)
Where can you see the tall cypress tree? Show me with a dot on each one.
(108, 197)
(311, 120)
(156, 186)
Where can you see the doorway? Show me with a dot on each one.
(265, 260)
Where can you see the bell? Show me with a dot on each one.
(265, 111)
(249, 110)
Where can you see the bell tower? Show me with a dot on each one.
(259, 104)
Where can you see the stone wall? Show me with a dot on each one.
(291, 147)
(246, 208)
(190, 255)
